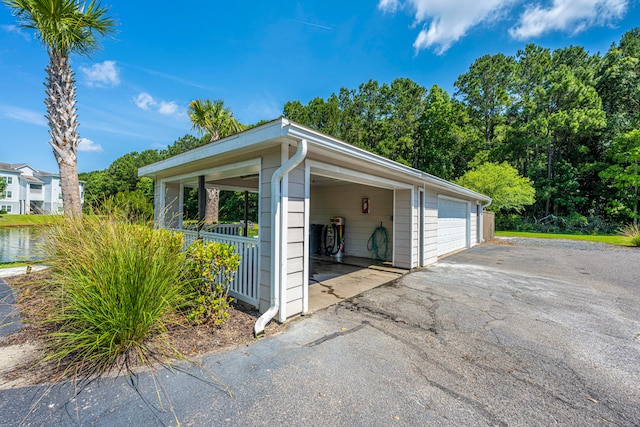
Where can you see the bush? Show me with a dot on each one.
(212, 265)
(573, 224)
(115, 285)
(632, 231)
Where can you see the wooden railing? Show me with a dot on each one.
(244, 286)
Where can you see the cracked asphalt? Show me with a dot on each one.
(539, 333)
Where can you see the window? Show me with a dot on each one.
(7, 179)
(6, 194)
(36, 186)
(6, 208)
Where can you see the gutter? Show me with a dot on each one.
(276, 234)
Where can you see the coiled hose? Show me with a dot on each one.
(378, 244)
(330, 240)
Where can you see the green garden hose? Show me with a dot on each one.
(378, 241)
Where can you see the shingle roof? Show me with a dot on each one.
(13, 167)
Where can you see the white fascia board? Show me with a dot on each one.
(341, 147)
(442, 184)
(239, 141)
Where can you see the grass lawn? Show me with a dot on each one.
(600, 238)
(13, 264)
(27, 220)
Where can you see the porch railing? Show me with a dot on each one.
(244, 286)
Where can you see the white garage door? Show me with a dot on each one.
(452, 225)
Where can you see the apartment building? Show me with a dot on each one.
(29, 190)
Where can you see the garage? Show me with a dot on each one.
(453, 225)
(305, 181)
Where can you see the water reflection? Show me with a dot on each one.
(20, 243)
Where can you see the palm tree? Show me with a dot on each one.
(215, 120)
(64, 27)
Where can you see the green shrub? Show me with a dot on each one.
(115, 285)
(212, 265)
(632, 231)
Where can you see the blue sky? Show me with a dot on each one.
(134, 92)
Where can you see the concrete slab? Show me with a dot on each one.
(332, 282)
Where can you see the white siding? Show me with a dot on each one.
(415, 228)
(473, 225)
(295, 241)
(403, 235)
(431, 226)
(270, 162)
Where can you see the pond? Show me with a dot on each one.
(20, 243)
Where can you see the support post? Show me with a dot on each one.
(246, 214)
(202, 202)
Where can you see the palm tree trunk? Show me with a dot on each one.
(212, 209)
(63, 128)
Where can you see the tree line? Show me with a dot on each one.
(566, 120)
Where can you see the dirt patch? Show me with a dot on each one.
(21, 353)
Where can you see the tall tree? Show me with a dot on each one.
(530, 73)
(486, 89)
(619, 83)
(623, 175)
(402, 107)
(444, 144)
(216, 121)
(64, 27)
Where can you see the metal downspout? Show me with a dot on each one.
(276, 220)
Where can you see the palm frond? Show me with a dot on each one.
(64, 25)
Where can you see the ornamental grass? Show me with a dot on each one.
(115, 285)
(632, 232)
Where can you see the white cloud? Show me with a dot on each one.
(102, 74)
(567, 15)
(144, 101)
(89, 146)
(388, 5)
(444, 22)
(167, 108)
(20, 114)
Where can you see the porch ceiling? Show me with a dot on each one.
(237, 177)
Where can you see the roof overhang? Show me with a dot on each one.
(282, 131)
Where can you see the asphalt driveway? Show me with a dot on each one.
(537, 333)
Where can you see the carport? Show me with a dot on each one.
(305, 178)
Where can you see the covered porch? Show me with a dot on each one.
(240, 178)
